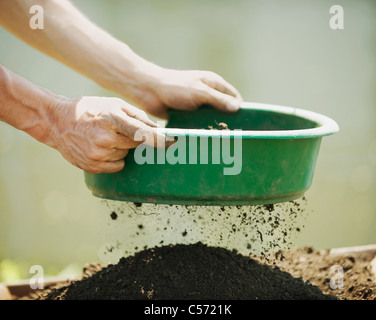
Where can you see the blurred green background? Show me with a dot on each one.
(273, 51)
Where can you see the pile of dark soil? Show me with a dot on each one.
(196, 272)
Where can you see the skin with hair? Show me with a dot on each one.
(95, 133)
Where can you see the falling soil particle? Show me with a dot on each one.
(269, 207)
(114, 215)
(183, 272)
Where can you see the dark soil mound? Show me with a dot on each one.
(194, 272)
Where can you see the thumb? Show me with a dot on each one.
(138, 131)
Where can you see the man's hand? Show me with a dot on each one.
(95, 133)
(183, 90)
(92, 133)
(94, 53)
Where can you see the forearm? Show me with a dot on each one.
(26, 106)
(71, 38)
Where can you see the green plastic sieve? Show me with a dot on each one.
(278, 151)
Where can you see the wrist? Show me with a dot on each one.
(45, 125)
(59, 116)
(129, 75)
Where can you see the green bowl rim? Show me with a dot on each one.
(325, 126)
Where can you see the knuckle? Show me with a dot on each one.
(200, 88)
(143, 114)
(96, 155)
(117, 101)
(135, 112)
(203, 92)
(210, 75)
(92, 170)
(104, 140)
(118, 166)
